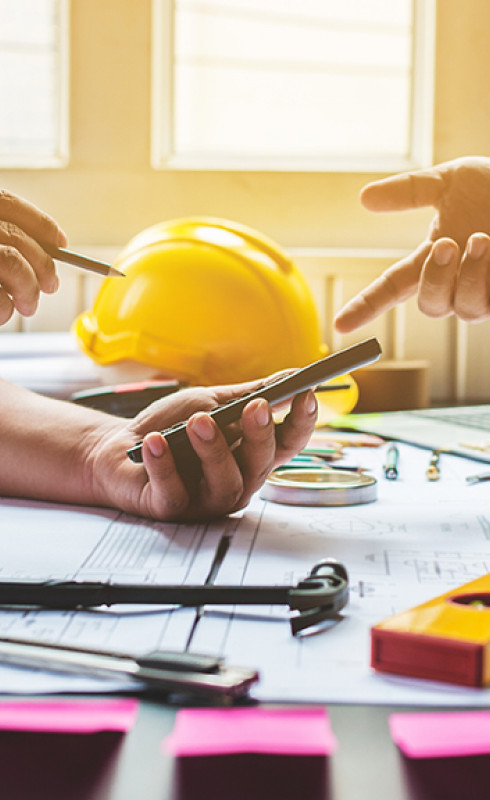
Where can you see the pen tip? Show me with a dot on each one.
(115, 272)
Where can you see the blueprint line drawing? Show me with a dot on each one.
(416, 541)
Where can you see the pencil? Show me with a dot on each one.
(77, 260)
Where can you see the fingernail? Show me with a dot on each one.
(476, 247)
(262, 414)
(310, 403)
(62, 239)
(54, 285)
(203, 427)
(442, 252)
(155, 444)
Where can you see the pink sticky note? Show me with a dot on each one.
(441, 734)
(274, 731)
(68, 716)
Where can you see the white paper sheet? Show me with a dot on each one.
(49, 363)
(416, 541)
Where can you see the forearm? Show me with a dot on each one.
(57, 451)
(44, 446)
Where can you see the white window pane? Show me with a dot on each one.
(33, 119)
(27, 22)
(374, 11)
(279, 81)
(278, 41)
(319, 120)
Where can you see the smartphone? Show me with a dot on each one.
(274, 391)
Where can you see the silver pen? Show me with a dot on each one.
(433, 471)
(391, 464)
(166, 671)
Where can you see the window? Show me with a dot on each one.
(33, 83)
(278, 84)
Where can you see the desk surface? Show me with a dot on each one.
(366, 764)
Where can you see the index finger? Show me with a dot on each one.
(257, 450)
(404, 191)
(31, 219)
(19, 280)
(395, 285)
(221, 486)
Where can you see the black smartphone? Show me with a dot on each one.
(274, 391)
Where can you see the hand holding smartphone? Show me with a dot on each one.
(274, 391)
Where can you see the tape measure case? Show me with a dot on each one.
(445, 639)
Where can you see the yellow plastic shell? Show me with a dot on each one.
(207, 301)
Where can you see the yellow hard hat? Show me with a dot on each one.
(206, 301)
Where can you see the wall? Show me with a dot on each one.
(108, 191)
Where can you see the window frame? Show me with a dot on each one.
(420, 153)
(60, 158)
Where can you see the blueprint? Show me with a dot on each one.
(417, 540)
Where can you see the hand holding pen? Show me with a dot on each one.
(29, 240)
